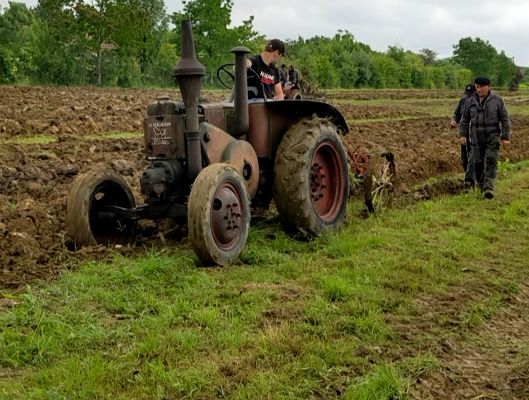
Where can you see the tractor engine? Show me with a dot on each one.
(165, 177)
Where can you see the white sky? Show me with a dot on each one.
(411, 24)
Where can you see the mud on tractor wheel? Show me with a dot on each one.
(311, 183)
(218, 214)
(91, 216)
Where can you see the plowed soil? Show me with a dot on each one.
(50, 135)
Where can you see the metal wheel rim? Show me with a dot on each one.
(226, 216)
(326, 186)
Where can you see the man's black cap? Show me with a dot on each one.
(482, 80)
(276, 44)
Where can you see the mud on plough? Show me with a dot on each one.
(373, 175)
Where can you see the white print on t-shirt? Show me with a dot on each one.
(267, 79)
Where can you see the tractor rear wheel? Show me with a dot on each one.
(90, 220)
(218, 215)
(311, 178)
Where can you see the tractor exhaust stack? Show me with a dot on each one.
(240, 92)
(189, 72)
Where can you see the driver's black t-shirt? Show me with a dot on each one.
(269, 77)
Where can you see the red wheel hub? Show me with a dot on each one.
(326, 185)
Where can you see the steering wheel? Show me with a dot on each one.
(222, 71)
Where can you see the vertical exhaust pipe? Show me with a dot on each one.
(240, 92)
(189, 72)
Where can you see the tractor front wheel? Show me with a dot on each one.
(311, 182)
(90, 218)
(218, 215)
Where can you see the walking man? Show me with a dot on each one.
(465, 148)
(487, 118)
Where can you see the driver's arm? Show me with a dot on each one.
(278, 92)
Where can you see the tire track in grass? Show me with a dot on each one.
(491, 363)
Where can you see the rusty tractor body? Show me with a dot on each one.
(209, 162)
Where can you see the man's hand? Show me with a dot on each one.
(453, 124)
(506, 142)
(462, 140)
(278, 92)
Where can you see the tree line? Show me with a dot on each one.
(136, 43)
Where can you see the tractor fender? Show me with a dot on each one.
(307, 108)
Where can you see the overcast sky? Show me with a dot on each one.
(411, 24)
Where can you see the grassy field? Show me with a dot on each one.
(359, 314)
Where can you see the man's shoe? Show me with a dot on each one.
(488, 194)
(468, 186)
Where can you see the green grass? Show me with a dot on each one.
(291, 320)
(113, 135)
(518, 110)
(411, 108)
(36, 139)
(395, 103)
(46, 139)
(363, 121)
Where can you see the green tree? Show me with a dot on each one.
(162, 56)
(365, 66)
(477, 55)
(136, 26)
(17, 42)
(428, 56)
(505, 70)
(439, 78)
(387, 71)
(62, 51)
(8, 67)
(95, 21)
(213, 35)
(131, 42)
(517, 79)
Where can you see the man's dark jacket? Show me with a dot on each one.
(484, 119)
(460, 108)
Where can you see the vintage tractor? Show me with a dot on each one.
(209, 162)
